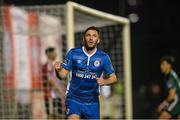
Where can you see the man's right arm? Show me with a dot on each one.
(61, 73)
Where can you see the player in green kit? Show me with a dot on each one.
(170, 107)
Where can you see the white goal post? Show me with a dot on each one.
(71, 6)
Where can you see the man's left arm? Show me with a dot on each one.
(112, 79)
(109, 71)
(168, 100)
(171, 95)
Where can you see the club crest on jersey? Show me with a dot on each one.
(96, 63)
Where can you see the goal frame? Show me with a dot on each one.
(70, 7)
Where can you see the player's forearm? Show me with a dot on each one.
(170, 98)
(171, 95)
(110, 80)
(60, 75)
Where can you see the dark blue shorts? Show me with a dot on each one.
(85, 111)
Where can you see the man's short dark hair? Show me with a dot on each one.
(49, 50)
(168, 59)
(92, 28)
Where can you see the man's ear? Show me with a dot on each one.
(98, 41)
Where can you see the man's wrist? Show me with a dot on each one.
(58, 69)
(105, 82)
(166, 103)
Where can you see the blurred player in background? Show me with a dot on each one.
(170, 107)
(53, 88)
(86, 65)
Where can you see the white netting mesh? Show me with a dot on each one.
(111, 43)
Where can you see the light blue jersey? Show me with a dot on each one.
(85, 69)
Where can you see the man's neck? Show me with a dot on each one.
(89, 51)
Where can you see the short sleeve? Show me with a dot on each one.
(108, 67)
(67, 64)
(171, 84)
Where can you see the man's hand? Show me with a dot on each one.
(162, 106)
(61, 73)
(111, 80)
(57, 66)
(100, 81)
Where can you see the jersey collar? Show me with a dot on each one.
(89, 55)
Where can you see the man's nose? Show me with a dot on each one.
(91, 37)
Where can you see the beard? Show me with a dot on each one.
(88, 47)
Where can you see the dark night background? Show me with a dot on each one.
(154, 35)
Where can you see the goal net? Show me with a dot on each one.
(27, 31)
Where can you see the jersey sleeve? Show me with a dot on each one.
(108, 67)
(67, 64)
(171, 84)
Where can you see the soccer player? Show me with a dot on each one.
(170, 107)
(53, 88)
(86, 65)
